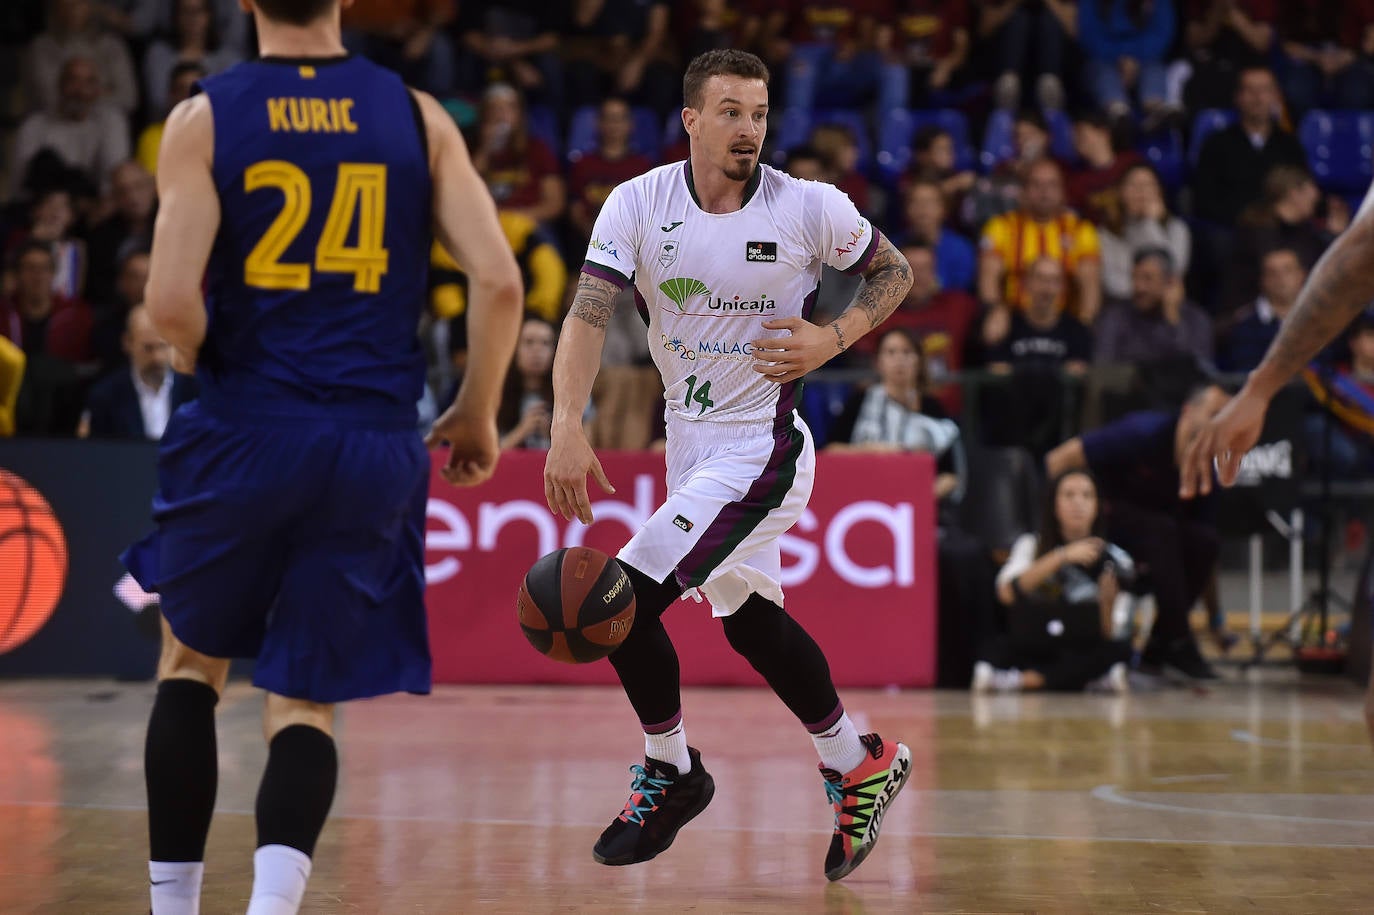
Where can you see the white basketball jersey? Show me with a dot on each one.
(706, 282)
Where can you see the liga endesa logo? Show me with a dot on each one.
(33, 561)
(453, 534)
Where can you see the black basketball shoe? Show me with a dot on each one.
(661, 802)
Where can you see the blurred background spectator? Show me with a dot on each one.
(895, 414)
(1322, 43)
(521, 171)
(1139, 220)
(74, 30)
(1125, 43)
(194, 39)
(1221, 38)
(1031, 43)
(1093, 182)
(180, 81)
(85, 132)
(1059, 588)
(1246, 336)
(926, 211)
(1158, 322)
(1042, 227)
(407, 35)
(526, 410)
(941, 319)
(926, 47)
(136, 404)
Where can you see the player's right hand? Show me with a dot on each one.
(474, 445)
(565, 475)
(1223, 441)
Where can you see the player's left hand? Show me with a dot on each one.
(474, 446)
(1225, 440)
(784, 359)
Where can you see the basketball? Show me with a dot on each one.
(33, 561)
(576, 605)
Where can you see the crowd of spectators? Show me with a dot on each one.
(1156, 237)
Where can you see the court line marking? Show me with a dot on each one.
(1111, 795)
(1177, 779)
(705, 827)
(1244, 736)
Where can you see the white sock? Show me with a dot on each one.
(839, 746)
(279, 876)
(175, 886)
(669, 747)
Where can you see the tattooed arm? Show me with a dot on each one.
(809, 346)
(885, 285)
(575, 364)
(1340, 286)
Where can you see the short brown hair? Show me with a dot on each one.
(723, 62)
(294, 12)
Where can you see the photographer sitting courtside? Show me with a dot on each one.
(1135, 460)
(1059, 588)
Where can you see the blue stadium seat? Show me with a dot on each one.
(1207, 122)
(797, 124)
(644, 136)
(544, 126)
(1338, 144)
(1165, 152)
(899, 127)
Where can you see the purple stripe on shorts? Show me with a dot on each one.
(730, 517)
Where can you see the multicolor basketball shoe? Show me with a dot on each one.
(860, 797)
(661, 802)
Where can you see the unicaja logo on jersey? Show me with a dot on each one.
(740, 304)
(682, 290)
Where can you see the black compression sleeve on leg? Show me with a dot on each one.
(297, 787)
(646, 661)
(181, 770)
(782, 651)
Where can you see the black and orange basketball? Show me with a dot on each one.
(576, 605)
(33, 561)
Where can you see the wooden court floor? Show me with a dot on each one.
(1256, 796)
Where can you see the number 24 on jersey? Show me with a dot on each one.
(359, 194)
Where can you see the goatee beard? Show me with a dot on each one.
(739, 171)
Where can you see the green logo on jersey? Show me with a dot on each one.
(682, 288)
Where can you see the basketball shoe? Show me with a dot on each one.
(860, 798)
(661, 802)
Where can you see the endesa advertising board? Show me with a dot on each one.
(858, 571)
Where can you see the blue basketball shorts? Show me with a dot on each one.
(297, 543)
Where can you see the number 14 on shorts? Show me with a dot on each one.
(699, 395)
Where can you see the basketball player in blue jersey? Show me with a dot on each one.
(298, 197)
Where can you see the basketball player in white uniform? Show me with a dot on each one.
(725, 257)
